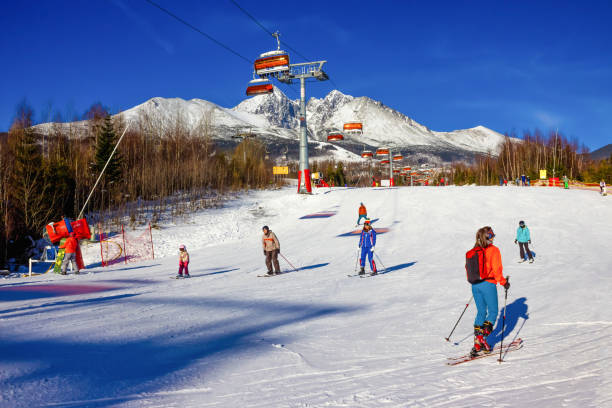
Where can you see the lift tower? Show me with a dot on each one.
(275, 64)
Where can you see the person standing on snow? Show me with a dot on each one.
(523, 239)
(70, 248)
(363, 213)
(271, 249)
(183, 262)
(485, 291)
(367, 242)
(602, 187)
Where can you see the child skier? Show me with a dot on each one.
(367, 242)
(183, 262)
(485, 258)
(523, 239)
(363, 213)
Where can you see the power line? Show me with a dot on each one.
(199, 31)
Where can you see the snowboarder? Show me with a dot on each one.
(485, 289)
(363, 213)
(367, 242)
(271, 249)
(70, 248)
(183, 262)
(523, 239)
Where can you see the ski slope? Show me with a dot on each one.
(128, 336)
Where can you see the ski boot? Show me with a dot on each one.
(480, 343)
(362, 271)
(270, 273)
(187, 275)
(486, 329)
(531, 260)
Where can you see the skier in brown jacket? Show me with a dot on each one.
(271, 249)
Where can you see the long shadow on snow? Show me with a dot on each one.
(397, 267)
(307, 267)
(122, 368)
(29, 310)
(514, 311)
(213, 273)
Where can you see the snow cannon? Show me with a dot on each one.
(63, 228)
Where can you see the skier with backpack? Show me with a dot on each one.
(523, 239)
(484, 269)
(367, 242)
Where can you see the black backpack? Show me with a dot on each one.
(475, 264)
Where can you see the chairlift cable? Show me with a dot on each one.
(199, 31)
(265, 29)
(272, 34)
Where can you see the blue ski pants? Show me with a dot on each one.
(485, 297)
(364, 216)
(367, 252)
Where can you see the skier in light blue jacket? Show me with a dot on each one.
(523, 239)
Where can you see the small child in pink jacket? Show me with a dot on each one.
(183, 262)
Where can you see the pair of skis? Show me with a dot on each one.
(365, 275)
(515, 345)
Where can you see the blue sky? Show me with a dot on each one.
(509, 66)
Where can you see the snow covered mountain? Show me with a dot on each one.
(274, 118)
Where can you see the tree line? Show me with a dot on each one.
(47, 173)
(536, 151)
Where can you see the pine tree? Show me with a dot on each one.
(340, 177)
(107, 139)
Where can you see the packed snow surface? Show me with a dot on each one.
(128, 336)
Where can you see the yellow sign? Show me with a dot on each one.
(543, 174)
(280, 170)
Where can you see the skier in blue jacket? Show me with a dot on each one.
(367, 242)
(523, 239)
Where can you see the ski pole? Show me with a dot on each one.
(356, 260)
(381, 262)
(501, 347)
(286, 260)
(464, 309)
